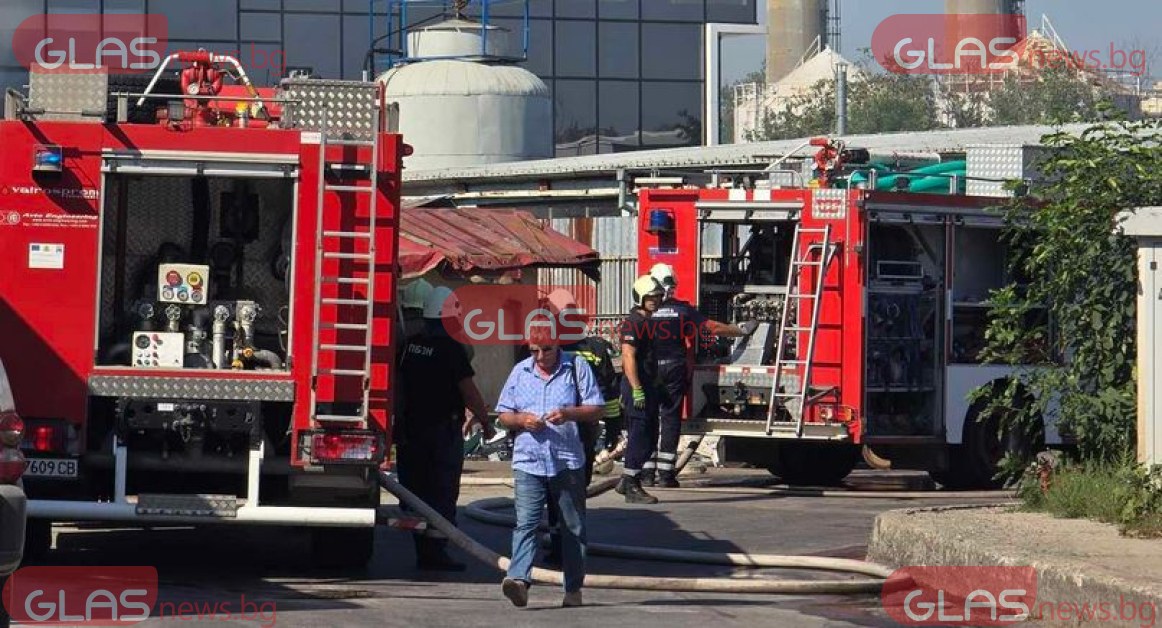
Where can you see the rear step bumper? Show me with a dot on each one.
(63, 510)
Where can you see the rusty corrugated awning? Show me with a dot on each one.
(483, 240)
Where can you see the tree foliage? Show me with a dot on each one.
(1072, 267)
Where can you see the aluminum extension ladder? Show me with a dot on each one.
(338, 245)
(795, 401)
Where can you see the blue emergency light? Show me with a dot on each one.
(661, 221)
(47, 159)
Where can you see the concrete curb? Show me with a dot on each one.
(962, 535)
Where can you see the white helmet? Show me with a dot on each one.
(415, 294)
(441, 303)
(664, 274)
(645, 286)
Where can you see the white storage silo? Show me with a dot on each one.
(465, 104)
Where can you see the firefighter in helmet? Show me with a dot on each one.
(436, 385)
(411, 303)
(639, 393)
(598, 353)
(676, 326)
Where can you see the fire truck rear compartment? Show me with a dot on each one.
(240, 230)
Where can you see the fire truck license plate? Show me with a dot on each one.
(46, 468)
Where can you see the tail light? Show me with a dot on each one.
(344, 447)
(47, 437)
(11, 429)
(11, 460)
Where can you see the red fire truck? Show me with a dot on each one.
(197, 307)
(872, 315)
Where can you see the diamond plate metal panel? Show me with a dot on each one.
(347, 106)
(999, 162)
(64, 96)
(191, 388)
(188, 505)
(829, 204)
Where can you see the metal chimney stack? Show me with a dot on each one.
(792, 28)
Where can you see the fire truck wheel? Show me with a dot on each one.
(974, 464)
(813, 464)
(37, 539)
(346, 548)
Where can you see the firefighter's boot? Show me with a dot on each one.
(647, 477)
(633, 491)
(666, 479)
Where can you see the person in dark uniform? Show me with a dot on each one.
(597, 352)
(675, 327)
(639, 394)
(436, 385)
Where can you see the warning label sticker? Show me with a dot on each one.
(48, 256)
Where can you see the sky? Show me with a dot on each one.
(1084, 25)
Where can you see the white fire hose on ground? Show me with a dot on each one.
(480, 511)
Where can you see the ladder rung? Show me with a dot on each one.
(348, 281)
(333, 301)
(803, 263)
(329, 347)
(347, 234)
(345, 326)
(343, 372)
(812, 230)
(800, 295)
(355, 256)
(794, 362)
(351, 418)
(350, 188)
(796, 329)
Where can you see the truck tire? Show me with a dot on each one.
(342, 548)
(813, 464)
(974, 464)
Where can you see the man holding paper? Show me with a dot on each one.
(544, 399)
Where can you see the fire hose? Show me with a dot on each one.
(871, 585)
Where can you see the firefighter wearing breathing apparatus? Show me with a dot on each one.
(436, 386)
(675, 328)
(639, 391)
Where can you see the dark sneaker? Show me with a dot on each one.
(572, 600)
(666, 479)
(517, 591)
(634, 494)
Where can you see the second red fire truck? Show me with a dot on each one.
(873, 310)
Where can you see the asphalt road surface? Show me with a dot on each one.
(263, 577)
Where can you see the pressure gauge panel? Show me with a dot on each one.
(184, 284)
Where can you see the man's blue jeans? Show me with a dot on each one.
(533, 492)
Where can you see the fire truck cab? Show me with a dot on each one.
(197, 309)
(871, 307)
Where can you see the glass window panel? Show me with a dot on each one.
(575, 112)
(516, 8)
(261, 5)
(618, 9)
(16, 78)
(618, 108)
(683, 10)
(313, 41)
(124, 6)
(12, 13)
(736, 11)
(576, 48)
(72, 6)
(576, 8)
(356, 41)
(187, 20)
(619, 49)
(671, 51)
(260, 27)
(671, 114)
(540, 60)
(264, 63)
(312, 5)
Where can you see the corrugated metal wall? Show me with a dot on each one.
(615, 238)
